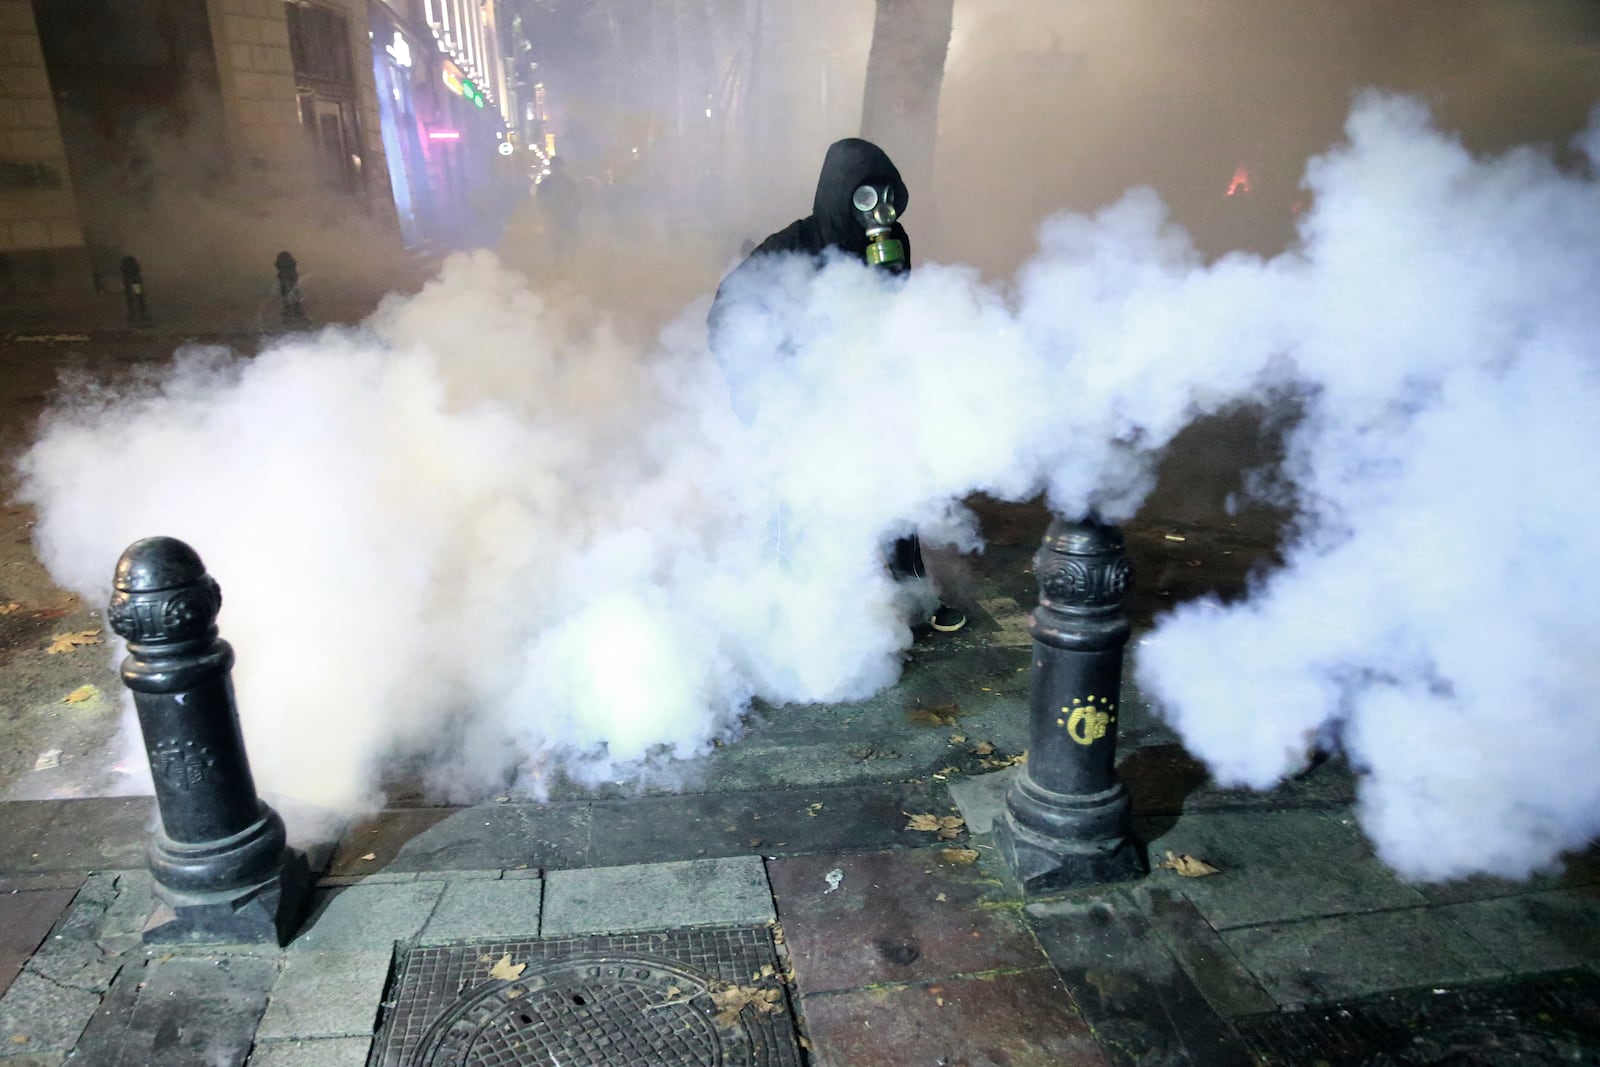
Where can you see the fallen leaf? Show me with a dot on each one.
(370, 856)
(1188, 866)
(81, 694)
(20, 1039)
(48, 759)
(958, 855)
(7, 609)
(956, 739)
(941, 897)
(945, 827)
(68, 642)
(982, 748)
(936, 715)
(735, 998)
(505, 970)
(812, 809)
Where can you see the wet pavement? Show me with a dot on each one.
(774, 902)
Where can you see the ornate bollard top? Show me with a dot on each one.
(163, 596)
(1083, 576)
(1081, 566)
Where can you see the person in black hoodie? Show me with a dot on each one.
(856, 209)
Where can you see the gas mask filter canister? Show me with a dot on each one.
(876, 212)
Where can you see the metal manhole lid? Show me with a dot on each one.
(642, 999)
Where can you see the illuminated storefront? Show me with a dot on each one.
(394, 69)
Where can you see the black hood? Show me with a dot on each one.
(850, 163)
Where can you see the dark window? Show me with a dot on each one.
(319, 42)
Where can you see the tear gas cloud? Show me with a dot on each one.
(481, 538)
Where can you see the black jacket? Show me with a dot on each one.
(832, 223)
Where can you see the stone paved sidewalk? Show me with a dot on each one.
(892, 951)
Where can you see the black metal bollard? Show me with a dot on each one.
(1066, 822)
(223, 870)
(133, 292)
(294, 311)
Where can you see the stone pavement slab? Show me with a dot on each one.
(367, 917)
(322, 1052)
(381, 838)
(20, 833)
(907, 916)
(501, 836)
(1144, 1009)
(656, 896)
(25, 918)
(1016, 1018)
(41, 1015)
(1317, 960)
(774, 822)
(326, 995)
(1534, 932)
(476, 910)
(1218, 974)
(188, 1011)
(96, 833)
(1277, 866)
(1576, 870)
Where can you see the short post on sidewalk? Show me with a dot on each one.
(222, 866)
(1067, 817)
(133, 292)
(294, 311)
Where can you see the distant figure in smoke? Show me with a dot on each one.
(558, 202)
(859, 199)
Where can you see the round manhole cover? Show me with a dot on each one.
(578, 1011)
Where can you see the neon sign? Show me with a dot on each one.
(399, 51)
(461, 86)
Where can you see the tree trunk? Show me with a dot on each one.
(905, 69)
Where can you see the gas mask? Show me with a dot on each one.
(876, 211)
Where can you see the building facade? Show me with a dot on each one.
(203, 136)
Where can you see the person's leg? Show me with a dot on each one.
(905, 561)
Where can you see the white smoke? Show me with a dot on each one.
(476, 537)
(1437, 614)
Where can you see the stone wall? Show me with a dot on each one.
(41, 241)
(256, 77)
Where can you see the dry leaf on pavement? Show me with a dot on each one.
(505, 970)
(735, 998)
(80, 694)
(7, 609)
(935, 714)
(1188, 866)
(982, 748)
(68, 642)
(944, 827)
(958, 855)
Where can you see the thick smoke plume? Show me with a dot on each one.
(475, 537)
